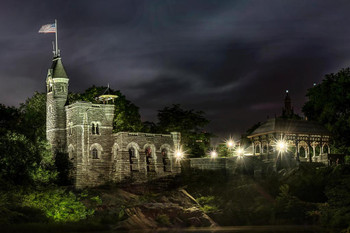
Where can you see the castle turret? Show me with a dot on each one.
(57, 92)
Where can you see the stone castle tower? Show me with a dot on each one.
(57, 92)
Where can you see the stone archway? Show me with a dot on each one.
(166, 158)
(134, 156)
(151, 157)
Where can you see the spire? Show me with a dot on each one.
(287, 111)
(57, 69)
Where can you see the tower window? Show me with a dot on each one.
(95, 128)
(94, 153)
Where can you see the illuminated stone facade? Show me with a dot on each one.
(85, 131)
(306, 140)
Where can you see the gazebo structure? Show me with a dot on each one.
(106, 96)
(305, 140)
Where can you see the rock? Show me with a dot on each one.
(154, 210)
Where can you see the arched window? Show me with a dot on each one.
(133, 160)
(93, 128)
(94, 153)
(149, 160)
(97, 128)
(166, 161)
(265, 150)
(257, 148)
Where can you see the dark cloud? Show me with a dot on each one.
(231, 59)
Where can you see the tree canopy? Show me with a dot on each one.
(190, 124)
(329, 104)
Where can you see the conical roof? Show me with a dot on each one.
(57, 69)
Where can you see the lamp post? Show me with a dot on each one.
(230, 145)
(281, 147)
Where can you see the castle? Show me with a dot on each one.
(85, 131)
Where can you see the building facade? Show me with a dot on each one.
(85, 131)
(306, 140)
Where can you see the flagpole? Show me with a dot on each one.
(56, 38)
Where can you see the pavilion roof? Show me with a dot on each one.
(284, 125)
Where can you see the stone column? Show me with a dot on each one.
(314, 151)
(268, 149)
(253, 145)
(297, 151)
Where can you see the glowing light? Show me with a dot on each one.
(230, 143)
(240, 151)
(281, 146)
(179, 153)
(213, 154)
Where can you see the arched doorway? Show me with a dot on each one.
(302, 152)
(133, 160)
(150, 163)
(165, 160)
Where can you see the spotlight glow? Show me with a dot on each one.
(213, 154)
(230, 143)
(240, 151)
(281, 146)
(179, 153)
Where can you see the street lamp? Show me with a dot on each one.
(230, 143)
(240, 151)
(213, 154)
(281, 146)
(179, 153)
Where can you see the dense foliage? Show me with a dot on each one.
(310, 194)
(190, 124)
(329, 104)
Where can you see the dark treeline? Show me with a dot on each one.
(312, 194)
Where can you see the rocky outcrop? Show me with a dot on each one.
(175, 208)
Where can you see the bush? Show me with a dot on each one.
(58, 205)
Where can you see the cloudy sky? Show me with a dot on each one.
(232, 59)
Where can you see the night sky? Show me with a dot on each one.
(232, 59)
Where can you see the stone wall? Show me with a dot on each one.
(140, 168)
(83, 138)
(112, 161)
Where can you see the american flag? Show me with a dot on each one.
(48, 28)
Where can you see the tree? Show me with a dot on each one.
(33, 123)
(18, 158)
(190, 124)
(9, 119)
(329, 104)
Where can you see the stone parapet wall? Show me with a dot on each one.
(207, 163)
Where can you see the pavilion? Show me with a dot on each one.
(305, 140)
